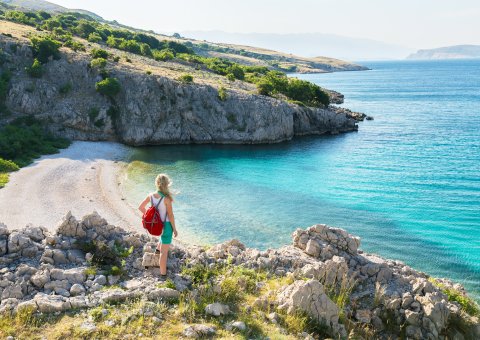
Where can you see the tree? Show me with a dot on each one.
(44, 48)
(108, 87)
(36, 70)
(99, 53)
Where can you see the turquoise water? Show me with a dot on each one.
(408, 183)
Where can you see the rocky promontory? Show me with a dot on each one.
(153, 106)
(103, 280)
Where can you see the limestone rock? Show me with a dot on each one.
(77, 289)
(217, 309)
(51, 303)
(163, 294)
(309, 296)
(199, 331)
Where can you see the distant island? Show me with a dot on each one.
(448, 52)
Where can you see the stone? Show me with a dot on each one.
(70, 227)
(100, 280)
(88, 326)
(59, 256)
(150, 260)
(29, 305)
(199, 331)
(113, 279)
(12, 292)
(412, 318)
(413, 332)
(51, 303)
(309, 296)
(217, 309)
(236, 326)
(313, 248)
(363, 315)
(75, 256)
(77, 289)
(163, 294)
(40, 279)
(438, 313)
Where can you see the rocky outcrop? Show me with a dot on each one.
(49, 273)
(153, 109)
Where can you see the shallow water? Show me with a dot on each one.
(408, 182)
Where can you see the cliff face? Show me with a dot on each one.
(155, 108)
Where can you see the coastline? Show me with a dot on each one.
(79, 179)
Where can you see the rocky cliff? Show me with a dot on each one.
(322, 285)
(152, 107)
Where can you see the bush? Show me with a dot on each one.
(108, 87)
(100, 53)
(7, 166)
(25, 139)
(93, 113)
(163, 55)
(222, 93)
(230, 77)
(94, 37)
(65, 88)
(44, 48)
(74, 45)
(116, 59)
(186, 78)
(4, 81)
(237, 71)
(98, 63)
(36, 70)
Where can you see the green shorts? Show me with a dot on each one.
(166, 237)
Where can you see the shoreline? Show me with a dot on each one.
(80, 179)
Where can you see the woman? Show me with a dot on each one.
(163, 182)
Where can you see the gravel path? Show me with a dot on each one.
(81, 178)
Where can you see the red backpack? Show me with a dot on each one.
(152, 221)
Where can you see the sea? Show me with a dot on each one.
(407, 183)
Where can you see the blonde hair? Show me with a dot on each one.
(163, 182)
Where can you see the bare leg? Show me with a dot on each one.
(163, 258)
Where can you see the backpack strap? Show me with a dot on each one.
(156, 206)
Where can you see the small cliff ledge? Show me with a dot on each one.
(154, 107)
(320, 286)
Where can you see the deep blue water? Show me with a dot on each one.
(408, 183)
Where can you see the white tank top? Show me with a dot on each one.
(162, 208)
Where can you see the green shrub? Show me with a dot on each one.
(44, 48)
(108, 87)
(99, 53)
(25, 139)
(4, 82)
(93, 113)
(94, 37)
(74, 45)
(237, 71)
(7, 166)
(3, 179)
(111, 258)
(116, 59)
(186, 78)
(230, 77)
(222, 93)
(163, 55)
(65, 88)
(36, 70)
(98, 63)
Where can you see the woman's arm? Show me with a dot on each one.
(171, 217)
(143, 205)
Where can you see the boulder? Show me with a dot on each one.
(313, 248)
(217, 309)
(150, 260)
(199, 331)
(77, 289)
(163, 294)
(51, 303)
(309, 296)
(70, 227)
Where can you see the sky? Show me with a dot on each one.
(410, 23)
